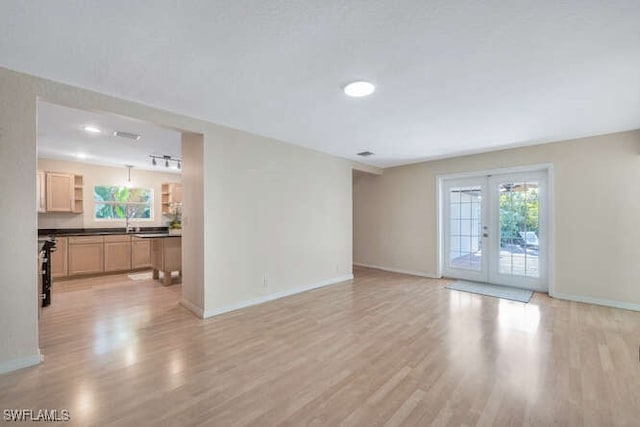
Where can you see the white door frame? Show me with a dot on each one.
(544, 167)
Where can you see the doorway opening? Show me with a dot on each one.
(113, 193)
(495, 227)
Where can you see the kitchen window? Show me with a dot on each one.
(117, 203)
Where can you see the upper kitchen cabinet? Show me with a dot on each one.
(171, 193)
(64, 192)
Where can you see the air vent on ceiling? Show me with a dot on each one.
(365, 153)
(127, 135)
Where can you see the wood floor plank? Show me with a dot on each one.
(383, 349)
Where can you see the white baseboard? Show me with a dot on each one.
(397, 270)
(23, 362)
(274, 296)
(597, 301)
(192, 307)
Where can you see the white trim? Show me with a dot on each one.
(23, 362)
(515, 169)
(400, 271)
(274, 296)
(596, 301)
(198, 311)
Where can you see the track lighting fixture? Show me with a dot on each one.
(167, 161)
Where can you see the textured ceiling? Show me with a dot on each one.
(452, 77)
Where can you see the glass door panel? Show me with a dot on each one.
(518, 220)
(463, 235)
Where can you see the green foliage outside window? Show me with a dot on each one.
(112, 202)
(519, 210)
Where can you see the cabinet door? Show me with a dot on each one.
(59, 192)
(172, 253)
(176, 193)
(86, 257)
(141, 253)
(41, 199)
(59, 258)
(117, 256)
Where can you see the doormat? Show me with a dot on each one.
(496, 291)
(149, 275)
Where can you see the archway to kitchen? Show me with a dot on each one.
(116, 267)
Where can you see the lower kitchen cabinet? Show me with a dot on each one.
(117, 253)
(140, 253)
(59, 267)
(86, 255)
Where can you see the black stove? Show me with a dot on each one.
(48, 246)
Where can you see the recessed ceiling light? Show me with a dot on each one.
(92, 129)
(359, 89)
(81, 155)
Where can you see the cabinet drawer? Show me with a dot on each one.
(85, 239)
(117, 239)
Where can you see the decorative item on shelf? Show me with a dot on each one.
(175, 226)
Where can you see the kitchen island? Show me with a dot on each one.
(166, 254)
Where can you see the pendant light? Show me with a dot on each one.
(129, 184)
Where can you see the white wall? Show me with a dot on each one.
(104, 175)
(596, 213)
(269, 208)
(281, 211)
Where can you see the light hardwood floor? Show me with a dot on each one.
(385, 349)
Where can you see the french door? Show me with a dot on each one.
(495, 229)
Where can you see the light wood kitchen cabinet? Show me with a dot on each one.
(171, 193)
(140, 253)
(41, 198)
(59, 266)
(60, 188)
(117, 253)
(86, 255)
(64, 192)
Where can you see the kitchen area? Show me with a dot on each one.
(109, 199)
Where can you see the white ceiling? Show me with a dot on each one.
(61, 135)
(453, 76)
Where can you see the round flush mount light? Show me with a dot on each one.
(92, 129)
(359, 89)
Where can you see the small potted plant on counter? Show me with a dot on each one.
(175, 226)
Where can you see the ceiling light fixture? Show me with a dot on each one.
(129, 184)
(81, 155)
(92, 129)
(359, 89)
(167, 161)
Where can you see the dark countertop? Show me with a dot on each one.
(155, 235)
(99, 231)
